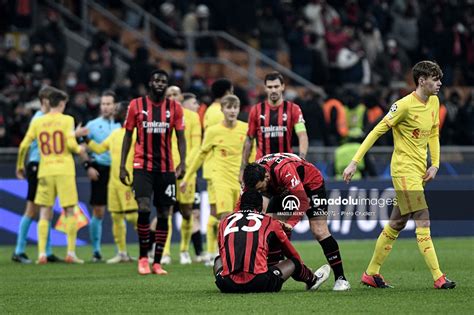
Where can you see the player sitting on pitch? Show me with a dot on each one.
(243, 240)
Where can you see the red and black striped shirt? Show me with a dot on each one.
(243, 244)
(273, 126)
(155, 123)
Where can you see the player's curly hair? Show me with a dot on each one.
(253, 173)
(220, 87)
(251, 200)
(426, 69)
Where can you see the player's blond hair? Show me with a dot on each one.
(230, 100)
(426, 69)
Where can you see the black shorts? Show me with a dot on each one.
(270, 281)
(99, 187)
(32, 178)
(161, 185)
(317, 207)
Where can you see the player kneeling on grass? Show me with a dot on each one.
(120, 200)
(243, 239)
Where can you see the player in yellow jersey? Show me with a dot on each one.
(414, 121)
(225, 142)
(185, 201)
(120, 200)
(57, 173)
(213, 116)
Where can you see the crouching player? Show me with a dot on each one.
(120, 199)
(243, 242)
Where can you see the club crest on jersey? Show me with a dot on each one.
(168, 114)
(284, 117)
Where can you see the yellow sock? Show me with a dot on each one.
(427, 250)
(43, 227)
(211, 235)
(71, 232)
(167, 248)
(186, 231)
(132, 218)
(383, 247)
(119, 230)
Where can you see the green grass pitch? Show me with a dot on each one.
(101, 288)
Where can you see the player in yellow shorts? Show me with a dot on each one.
(120, 199)
(192, 134)
(57, 173)
(414, 120)
(225, 141)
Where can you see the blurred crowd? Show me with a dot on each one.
(360, 52)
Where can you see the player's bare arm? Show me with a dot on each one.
(349, 171)
(303, 143)
(245, 156)
(127, 143)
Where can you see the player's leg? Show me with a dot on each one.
(164, 199)
(68, 199)
(143, 187)
(300, 272)
(185, 208)
(98, 202)
(427, 250)
(318, 216)
(31, 211)
(166, 257)
(45, 195)
(383, 247)
(212, 225)
(196, 236)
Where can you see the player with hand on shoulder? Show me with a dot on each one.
(244, 238)
(120, 200)
(57, 173)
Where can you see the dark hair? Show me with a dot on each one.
(426, 69)
(273, 76)
(253, 173)
(109, 93)
(220, 87)
(56, 96)
(44, 92)
(187, 96)
(251, 200)
(160, 72)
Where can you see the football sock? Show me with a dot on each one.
(302, 273)
(333, 256)
(196, 238)
(71, 232)
(427, 250)
(43, 226)
(160, 238)
(152, 240)
(211, 235)
(143, 229)
(49, 248)
(95, 230)
(167, 248)
(24, 227)
(119, 230)
(383, 247)
(186, 230)
(132, 218)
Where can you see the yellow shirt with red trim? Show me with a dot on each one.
(415, 125)
(192, 134)
(212, 117)
(226, 144)
(56, 143)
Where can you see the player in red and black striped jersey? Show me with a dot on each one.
(296, 187)
(273, 121)
(244, 238)
(154, 117)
